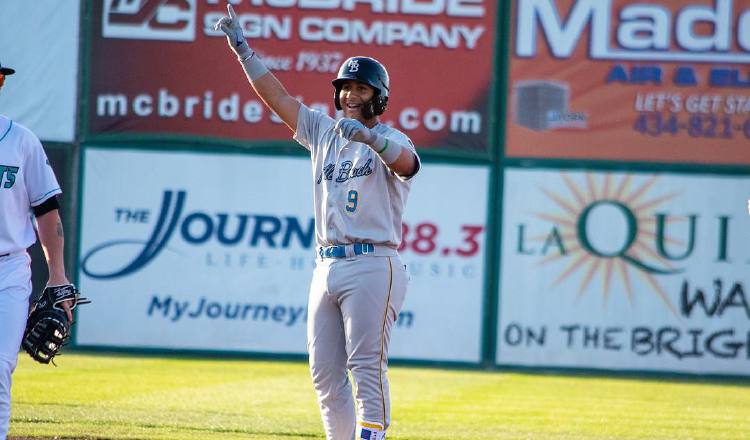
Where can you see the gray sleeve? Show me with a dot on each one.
(416, 155)
(408, 144)
(310, 126)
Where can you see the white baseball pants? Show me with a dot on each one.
(15, 289)
(353, 304)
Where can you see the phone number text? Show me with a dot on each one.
(697, 126)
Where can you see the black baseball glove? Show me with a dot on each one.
(48, 328)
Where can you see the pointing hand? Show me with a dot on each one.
(231, 27)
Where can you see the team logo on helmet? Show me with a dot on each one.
(354, 66)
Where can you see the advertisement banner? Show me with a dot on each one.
(625, 271)
(39, 40)
(665, 80)
(159, 67)
(216, 252)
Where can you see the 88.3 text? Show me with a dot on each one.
(422, 239)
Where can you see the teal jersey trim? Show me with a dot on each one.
(44, 196)
(7, 131)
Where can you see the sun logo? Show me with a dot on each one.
(610, 228)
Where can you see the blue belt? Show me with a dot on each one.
(340, 250)
(4, 255)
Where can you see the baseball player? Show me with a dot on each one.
(361, 171)
(27, 187)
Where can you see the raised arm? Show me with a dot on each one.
(265, 84)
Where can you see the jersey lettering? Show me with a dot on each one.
(7, 176)
(327, 172)
(348, 171)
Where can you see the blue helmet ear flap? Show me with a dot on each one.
(379, 104)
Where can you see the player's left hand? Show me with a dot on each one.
(48, 324)
(353, 130)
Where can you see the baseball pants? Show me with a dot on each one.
(15, 289)
(353, 304)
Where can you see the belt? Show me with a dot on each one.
(340, 250)
(3, 255)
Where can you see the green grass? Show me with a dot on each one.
(103, 396)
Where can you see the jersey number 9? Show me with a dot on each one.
(352, 199)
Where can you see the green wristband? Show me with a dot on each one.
(384, 148)
(388, 151)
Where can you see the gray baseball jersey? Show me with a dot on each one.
(356, 295)
(357, 197)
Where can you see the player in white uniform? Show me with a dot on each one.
(27, 187)
(361, 172)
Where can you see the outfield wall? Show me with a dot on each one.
(648, 152)
(624, 218)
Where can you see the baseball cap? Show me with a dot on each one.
(6, 70)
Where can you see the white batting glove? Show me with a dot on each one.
(231, 27)
(353, 130)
